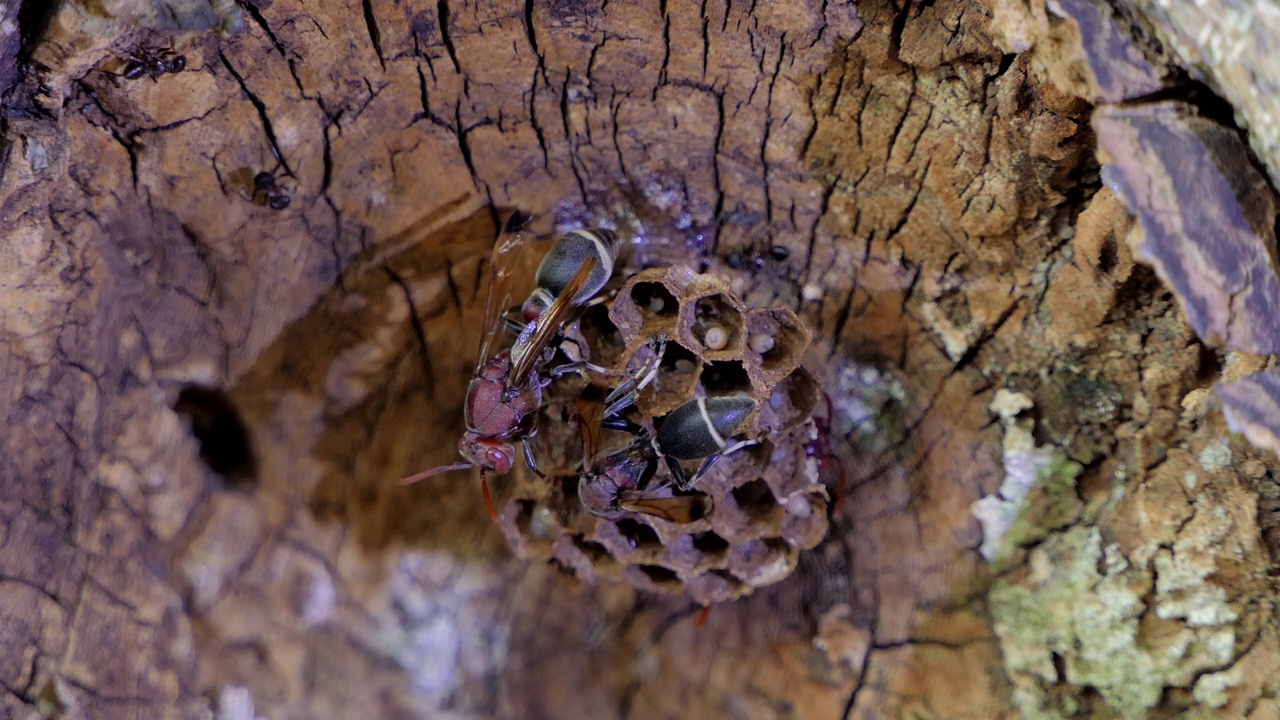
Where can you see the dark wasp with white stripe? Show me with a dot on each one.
(702, 429)
(563, 260)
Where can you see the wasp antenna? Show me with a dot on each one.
(433, 472)
(488, 499)
(518, 221)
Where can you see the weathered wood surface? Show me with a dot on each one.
(981, 317)
(1229, 45)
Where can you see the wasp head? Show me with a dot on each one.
(486, 453)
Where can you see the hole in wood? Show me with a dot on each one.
(225, 447)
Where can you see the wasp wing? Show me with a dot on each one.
(589, 411)
(504, 267)
(544, 328)
(681, 509)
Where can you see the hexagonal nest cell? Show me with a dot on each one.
(681, 336)
(791, 403)
(776, 341)
(713, 324)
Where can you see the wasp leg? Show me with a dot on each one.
(625, 394)
(578, 367)
(488, 499)
(619, 405)
(621, 423)
(512, 325)
(677, 473)
(528, 458)
(709, 462)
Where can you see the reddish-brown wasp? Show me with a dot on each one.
(506, 390)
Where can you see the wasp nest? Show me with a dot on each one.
(690, 337)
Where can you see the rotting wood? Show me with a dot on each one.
(931, 188)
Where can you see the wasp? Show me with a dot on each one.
(505, 392)
(701, 429)
(560, 263)
(153, 62)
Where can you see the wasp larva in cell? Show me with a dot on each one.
(717, 337)
(761, 344)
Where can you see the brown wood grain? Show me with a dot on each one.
(941, 203)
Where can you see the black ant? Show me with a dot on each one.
(154, 62)
(269, 192)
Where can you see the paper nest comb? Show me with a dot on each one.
(768, 502)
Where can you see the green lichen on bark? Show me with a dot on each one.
(1081, 613)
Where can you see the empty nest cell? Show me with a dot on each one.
(715, 586)
(791, 403)
(697, 552)
(755, 502)
(725, 377)
(587, 560)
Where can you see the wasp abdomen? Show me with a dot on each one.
(701, 427)
(569, 253)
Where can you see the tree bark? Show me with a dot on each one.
(209, 400)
